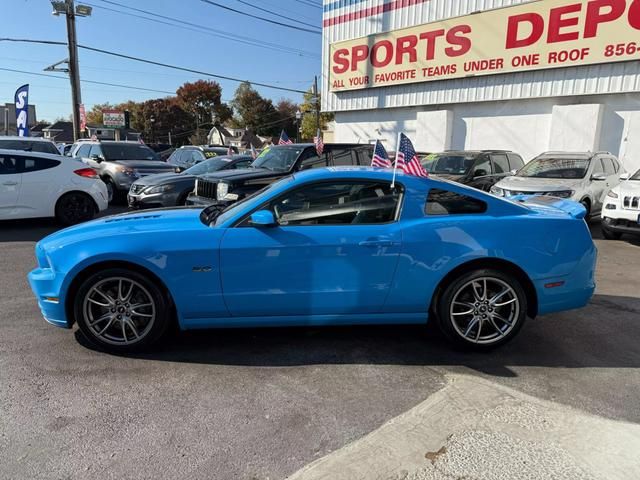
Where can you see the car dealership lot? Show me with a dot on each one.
(265, 403)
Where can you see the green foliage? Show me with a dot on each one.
(309, 119)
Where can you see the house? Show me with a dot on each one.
(59, 132)
(8, 118)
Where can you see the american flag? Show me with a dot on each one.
(407, 159)
(380, 156)
(317, 140)
(284, 139)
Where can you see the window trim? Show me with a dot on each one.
(396, 219)
(431, 215)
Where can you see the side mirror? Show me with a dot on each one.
(479, 173)
(514, 171)
(625, 176)
(263, 218)
(96, 158)
(599, 177)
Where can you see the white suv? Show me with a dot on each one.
(621, 211)
(43, 185)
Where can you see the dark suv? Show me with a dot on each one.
(480, 169)
(225, 187)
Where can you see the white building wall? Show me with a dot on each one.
(529, 127)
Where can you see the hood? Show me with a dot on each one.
(628, 188)
(532, 184)
(242, 174)
(151, 222)
(163, 178)
(145, 164)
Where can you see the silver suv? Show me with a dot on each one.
(119, 164)
(585, 177)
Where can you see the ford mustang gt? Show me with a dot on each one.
(322, 247)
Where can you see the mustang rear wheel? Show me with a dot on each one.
(120, 310)
(482, 309)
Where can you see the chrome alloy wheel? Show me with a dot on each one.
(119, 311)
(484, 310)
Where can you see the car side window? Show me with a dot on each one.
(242, 164)
(482, 167)
(444, 202)
(609, 168)
(312, 160)
(343, 158)
(500, 163)
(196, 156)
(96, 151)
(515, 161)
(83, 151)
(364, 156)
(8, 165)
(342, 203)
(597, 166)
(36, 164)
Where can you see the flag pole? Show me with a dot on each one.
(395, 164)
(375, 146)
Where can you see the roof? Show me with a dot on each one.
(60, 131)
(34, 139)
(585, 155)
(52, 156)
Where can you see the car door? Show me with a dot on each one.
(597, 188)
(94, 156)
(41, 187)
(333, 252)
(611, 169)
(10, 183)
(500, 165)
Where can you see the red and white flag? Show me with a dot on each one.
(317, 140)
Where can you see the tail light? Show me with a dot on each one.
(86, 172)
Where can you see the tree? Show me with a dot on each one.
(201, 98)
(168, 117)
(287, 115)
(309, 118)
(253, 111)
(94, 116)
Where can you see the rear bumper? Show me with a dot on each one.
(46, 287)
(571, 291)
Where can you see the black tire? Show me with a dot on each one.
(116, 197)
(587, 205)
(491, 331)
(150, 322)
(74, 207)
(609, 235)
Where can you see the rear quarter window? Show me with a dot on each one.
(515, 161)
(36, 164)
(444, 202)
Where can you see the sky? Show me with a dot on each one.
(186, 47)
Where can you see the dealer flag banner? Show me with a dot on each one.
(22, 110)
(535, 35)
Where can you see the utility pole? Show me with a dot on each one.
(316, 100)
(69, 10)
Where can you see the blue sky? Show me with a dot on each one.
(137, 37)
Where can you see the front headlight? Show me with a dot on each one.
(159, 189)
(127, 171)
(497, 191)
(612, 194)
(562, 194)
(222, 190)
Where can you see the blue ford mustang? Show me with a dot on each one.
(322, 247)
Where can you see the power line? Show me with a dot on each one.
(95, 82)
(309, 3)
(185, 25)
(159, 64)
(216, 4)
(275, 14)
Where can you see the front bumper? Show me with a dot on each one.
(204, 201)
(46, 287)
(156, 200)
(625, 223)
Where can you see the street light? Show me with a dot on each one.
(152, 119)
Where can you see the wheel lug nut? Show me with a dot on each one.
(113, 310)
(119, 317)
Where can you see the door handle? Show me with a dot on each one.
(378, 242)
(10, 183)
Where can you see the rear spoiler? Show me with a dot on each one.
(572, 208)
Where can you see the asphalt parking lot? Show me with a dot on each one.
(263, 403)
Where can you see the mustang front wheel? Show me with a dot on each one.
(121, 310)
(482, 309)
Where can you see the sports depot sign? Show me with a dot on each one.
(531, 36)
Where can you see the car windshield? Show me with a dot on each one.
(280, 159)
(448, 163)
(555, 167)
(208, 166)
(29, 146)
(223, 215)
(132, 151)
